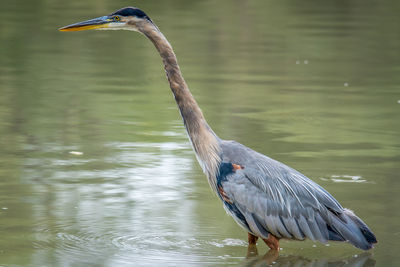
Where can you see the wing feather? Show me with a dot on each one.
(277, 199)
(293, 228)
(305, 228)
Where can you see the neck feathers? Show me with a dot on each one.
(204, 141)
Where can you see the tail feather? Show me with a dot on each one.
(333, 235)
(348, 227)
(367, 233)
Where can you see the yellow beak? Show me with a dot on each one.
(97, 23)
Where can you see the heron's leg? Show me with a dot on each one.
(272, 242)
(252, 247)
(252, 239)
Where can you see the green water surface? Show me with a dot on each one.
(95, 165)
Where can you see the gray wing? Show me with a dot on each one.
(277, 199)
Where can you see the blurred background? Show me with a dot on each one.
(95, 165)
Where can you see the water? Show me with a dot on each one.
(95, 165)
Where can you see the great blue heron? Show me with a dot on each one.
(267, 198)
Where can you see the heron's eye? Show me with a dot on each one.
(117, 18)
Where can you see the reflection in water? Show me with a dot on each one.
(345, 179)
(133, 206)
(272, 259)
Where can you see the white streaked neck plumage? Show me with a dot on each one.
(204, 141)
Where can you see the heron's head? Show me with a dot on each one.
(127, 18)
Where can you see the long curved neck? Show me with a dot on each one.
(204, 141)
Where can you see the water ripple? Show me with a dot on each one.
(345, 179)
(139, 248)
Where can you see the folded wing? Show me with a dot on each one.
(274, 198)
